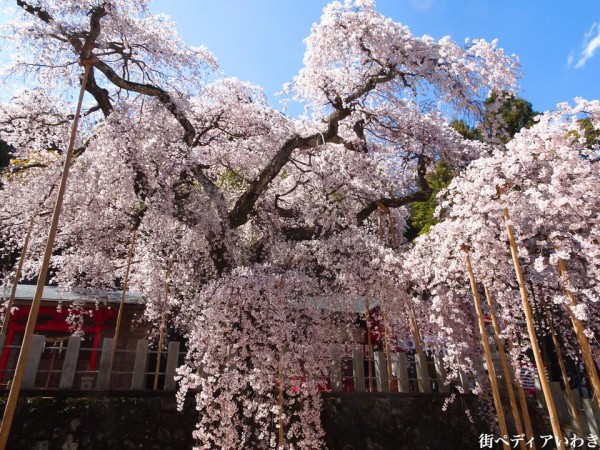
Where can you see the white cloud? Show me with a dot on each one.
(591, 43)
(422, 5)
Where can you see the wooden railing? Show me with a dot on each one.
(54, 366)
(67, 365)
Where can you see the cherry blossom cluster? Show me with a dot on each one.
(258, 236)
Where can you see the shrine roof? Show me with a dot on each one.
(54, 294)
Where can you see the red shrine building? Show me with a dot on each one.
(93, 313)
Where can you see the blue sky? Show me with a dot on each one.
(260, 41)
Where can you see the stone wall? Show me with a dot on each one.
(90, 423)
(361, 421)
(355, 421)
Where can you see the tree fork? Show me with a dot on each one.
(15, 388)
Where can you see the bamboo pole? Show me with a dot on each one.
(15, 388)
(392, 231)
(584, 343)
(388, 353)
(505, 368)
(388, 350)
(523, 403)
(486, 349)
(163, 327)
(554, 422)
(122, 304)
(13, 292)
(563, 369)
(369, 345)
(414, 327)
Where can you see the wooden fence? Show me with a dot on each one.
(66, 365)
(51, 366)
(56, 366)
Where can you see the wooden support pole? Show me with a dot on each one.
(563, 370)
(369, 347)
(523, 402)
(420, 357)
(123, 295)
(388, 352)
(486, 349)
(505, 368)
(13, 292)
(584, 343)
(414, 328)
(163, 327)
(15, 388)
(392, 229)
(384, 209)
(535, 347)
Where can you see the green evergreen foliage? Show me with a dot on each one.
(472, 133)
(592, 136)
(517, 113)
(422, 214)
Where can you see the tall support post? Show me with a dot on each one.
(381, 210)
(163, 327)
(523, 402)
(563, 370)
(420, 357)
(584, 343)
(388, 352)
(13, 292)
(505, 368)
(15, 388)
(537, 354)
(414, 328)
(369, 346)
(486, 349)
(123, 295)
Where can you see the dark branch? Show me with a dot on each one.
(395, 202)
(35, 11)
(151, 91)
(245, 204)
(100, 94)
(300, 233)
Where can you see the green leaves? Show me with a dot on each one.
(423, 213)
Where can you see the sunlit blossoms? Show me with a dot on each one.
(258, 234)
(549, 177)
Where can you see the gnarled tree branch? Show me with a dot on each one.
(245, 204)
